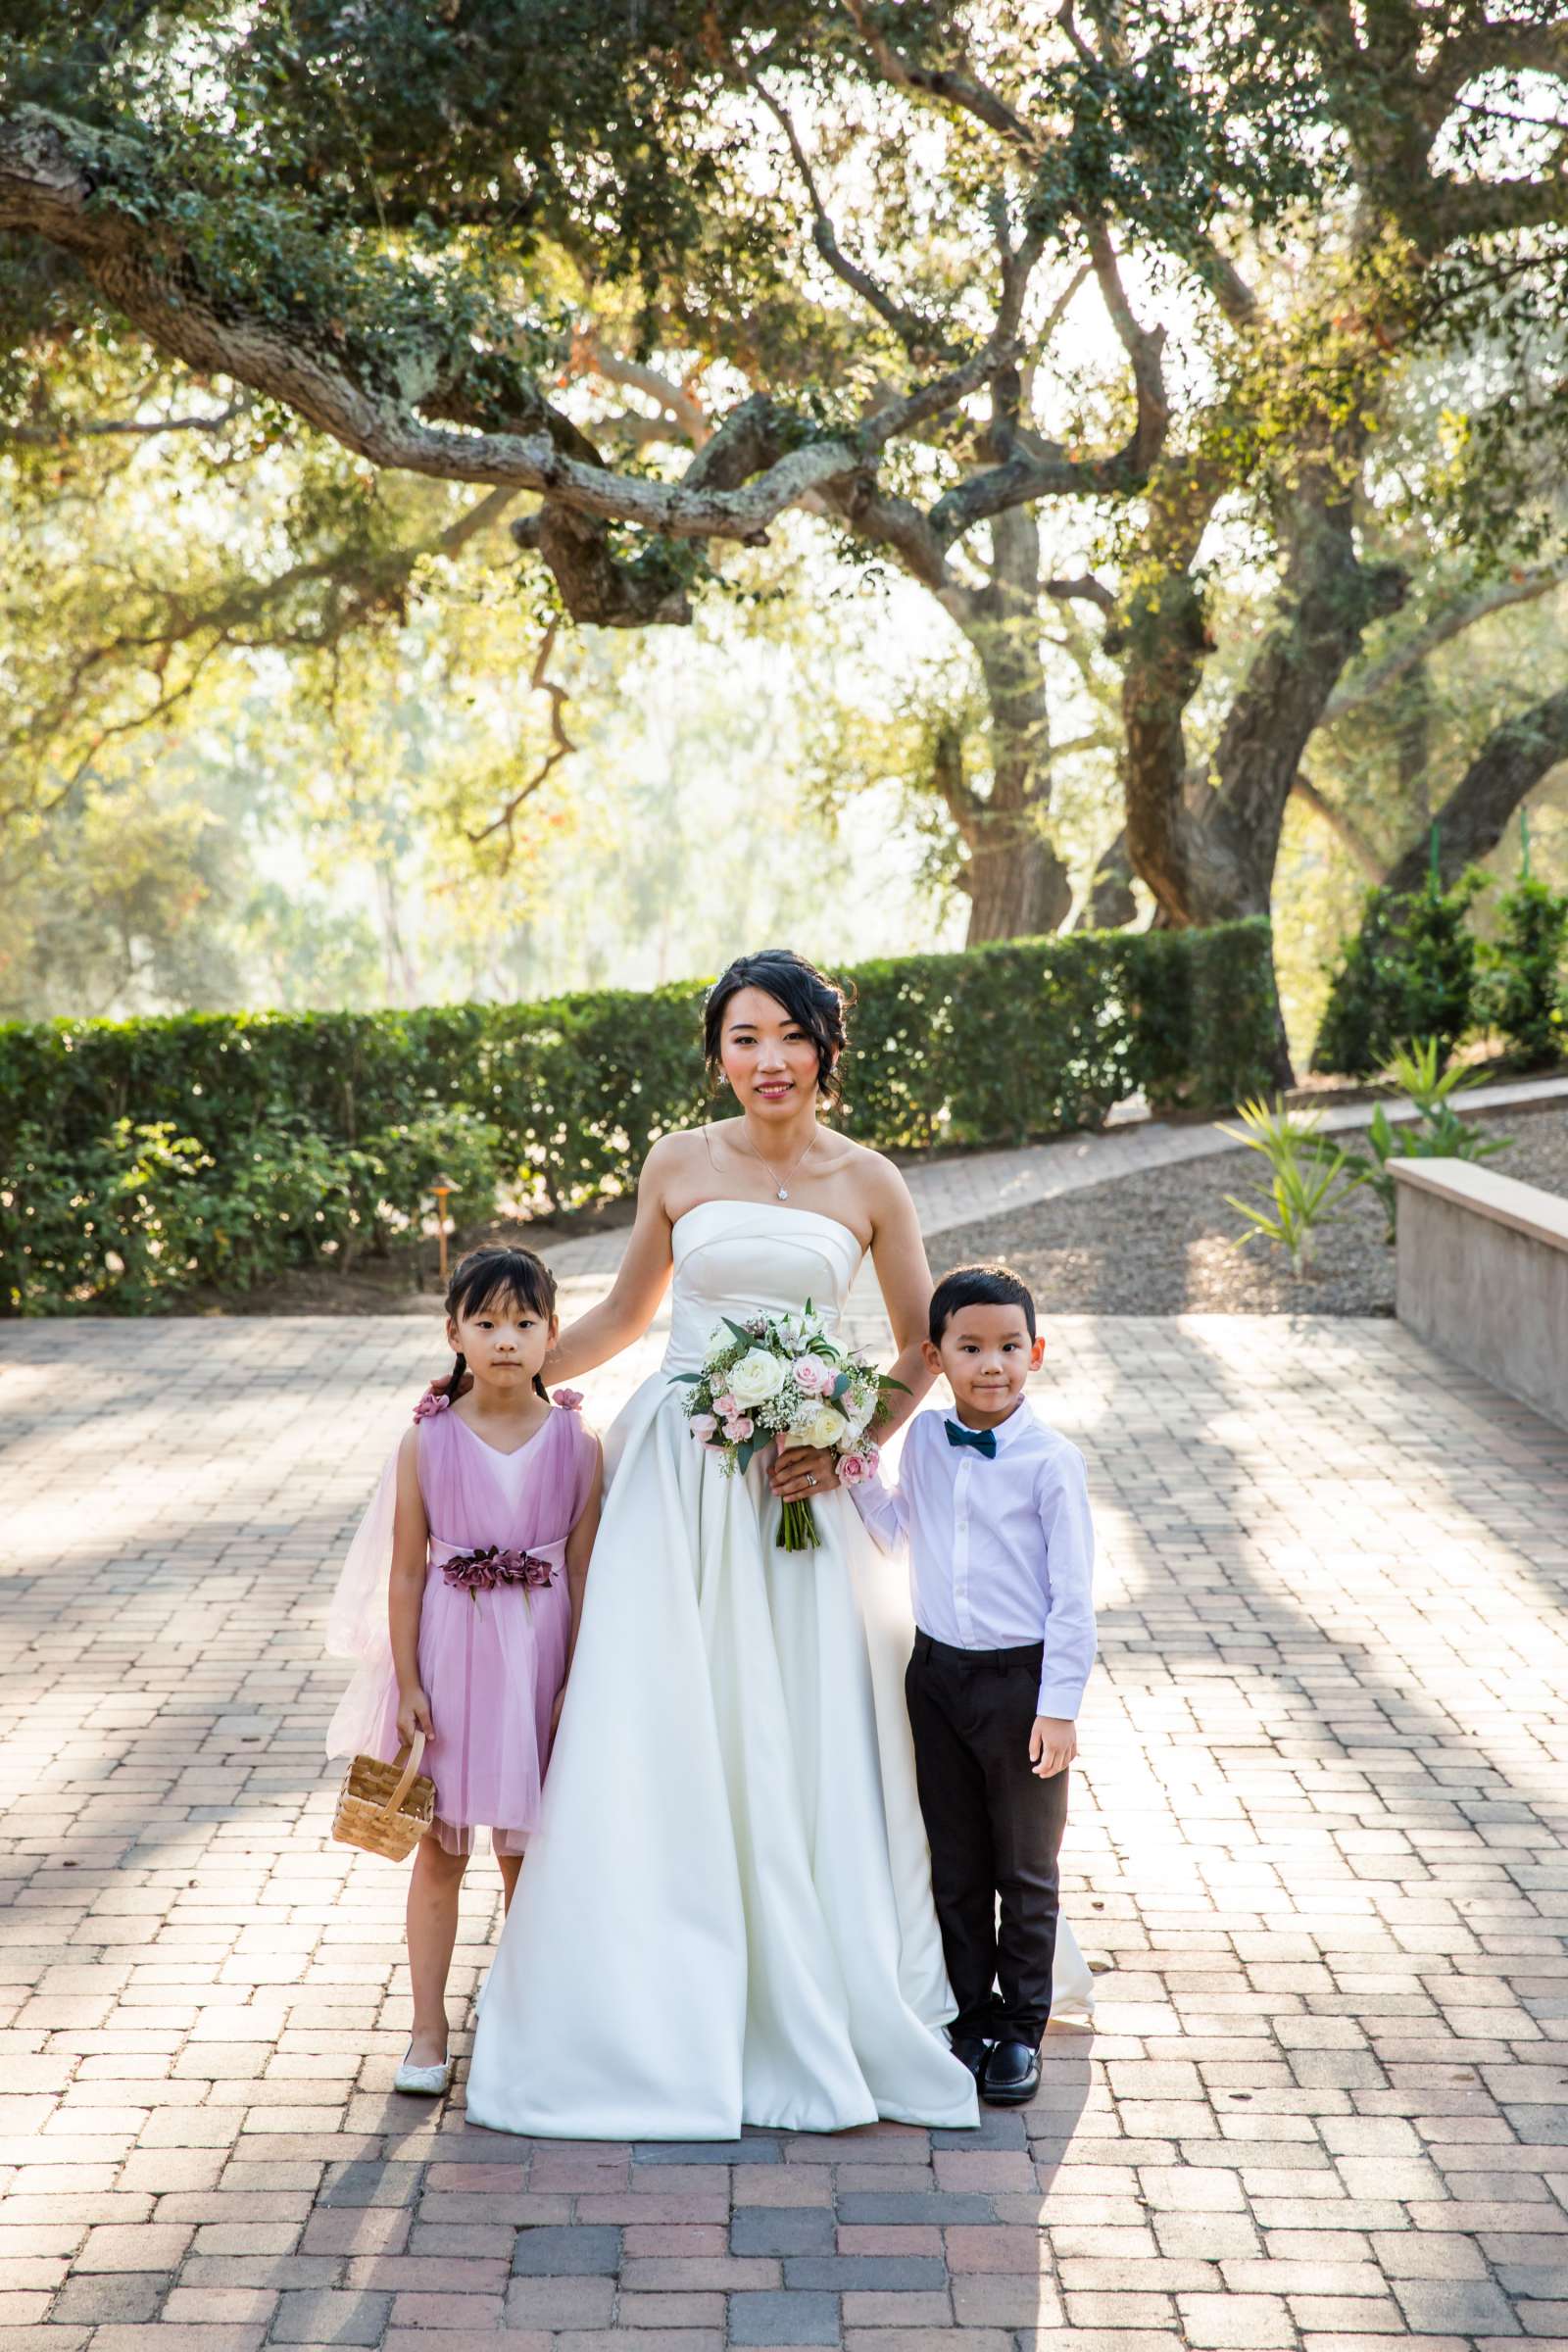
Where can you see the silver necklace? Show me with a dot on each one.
(781, 1185)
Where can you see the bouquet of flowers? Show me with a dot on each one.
(781, 1377)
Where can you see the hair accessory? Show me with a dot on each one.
(433, 1401)
(570, 1400)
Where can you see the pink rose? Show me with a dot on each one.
(739, 1428)
(856, 1468)
(727, 1406)
(433, 1401)
(570, 1400)
(812, 1377)
(703, 1427)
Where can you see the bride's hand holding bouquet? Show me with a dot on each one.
(782, 1379)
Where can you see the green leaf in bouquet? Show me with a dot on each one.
(745, 1452)
(839, 1387)
(747, 1338)
(691, 1379)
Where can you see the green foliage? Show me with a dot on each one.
(1307, 1184)
(1436, 1133)
(1525, 970)
(144, 1214)
(1409, 971)
(242, 1145)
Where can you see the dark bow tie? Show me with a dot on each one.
(984, 1441)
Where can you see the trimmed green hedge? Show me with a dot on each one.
(1026, 1038)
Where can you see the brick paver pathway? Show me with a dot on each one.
(1319, 1831)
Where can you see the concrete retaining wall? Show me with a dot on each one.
(1483, 1275)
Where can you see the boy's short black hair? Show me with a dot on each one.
(978, 1286)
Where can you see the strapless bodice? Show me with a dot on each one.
(735, 1258)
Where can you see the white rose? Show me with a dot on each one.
(757, 1377)
(827, 1427)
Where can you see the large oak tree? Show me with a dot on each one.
(841, 246)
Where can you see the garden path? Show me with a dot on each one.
(1320, 1829)
(966, 1187)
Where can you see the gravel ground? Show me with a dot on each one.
(1162, 1243)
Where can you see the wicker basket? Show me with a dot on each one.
(382, 1810)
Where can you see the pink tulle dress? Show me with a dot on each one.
(491, 1662)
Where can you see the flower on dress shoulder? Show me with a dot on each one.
(433, 1401)
(569, 1399)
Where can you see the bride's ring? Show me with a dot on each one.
(811, 1478)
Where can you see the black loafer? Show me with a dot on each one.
(1011, 2075)
(972, 2052)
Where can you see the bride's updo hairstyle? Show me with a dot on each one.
(812, 1001)
(496, 1276)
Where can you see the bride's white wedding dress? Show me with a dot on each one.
(725, 1914)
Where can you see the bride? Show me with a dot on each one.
(726, 1915)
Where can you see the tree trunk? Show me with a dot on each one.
(1164, 642)
(1329, 598)
(1111, 905)
(1472, 820)
(1015, 890)
(1207, 844)
(1017, 885)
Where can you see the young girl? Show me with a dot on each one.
(478, 1540)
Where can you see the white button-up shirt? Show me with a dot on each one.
(1001, 1551)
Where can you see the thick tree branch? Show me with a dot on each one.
(1509, 46)
(1515, 758)
(1038, 467)
(1445, 211)
(46, 187)
(1523, 588)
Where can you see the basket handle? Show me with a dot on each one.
(414, 1752)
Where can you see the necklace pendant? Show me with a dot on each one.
(783, 1192)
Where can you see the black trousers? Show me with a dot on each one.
(995, 1831)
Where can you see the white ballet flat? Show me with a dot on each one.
(428, 2082)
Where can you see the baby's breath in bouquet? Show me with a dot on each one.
(781, 1377)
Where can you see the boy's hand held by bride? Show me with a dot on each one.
(1053, 1745)
(413, 1715)
(800, 1471)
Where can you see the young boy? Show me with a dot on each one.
(995, 1511)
